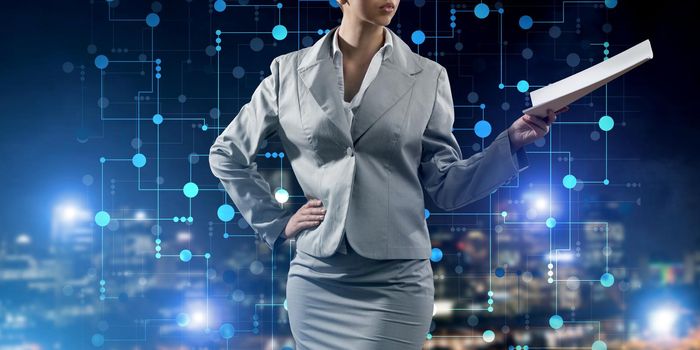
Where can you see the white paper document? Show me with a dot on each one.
(557, 95)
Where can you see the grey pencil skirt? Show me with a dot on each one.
(350, 302)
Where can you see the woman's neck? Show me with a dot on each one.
(358, 39)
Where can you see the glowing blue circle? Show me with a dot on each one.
(226, 331)
(152, 20)
(139, 160)
(101, 61)
(182, 319)
(482, 128)
(489, 335)
(551, 222)
(481, 10)
(556, 322)
(426, 213)
(436, 255)
(279, 32)
(523, 86)
(185, 255)
(334, 3)
(607, 280)
(525, 22)
(606, 123)
(190, 189)
(225, 213)
(569, 181)
(418, 37)
(157, 119)
(610, 3)
(220, 5)
(102, 218)
(98, 340)
(599, 344)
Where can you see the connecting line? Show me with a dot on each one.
(597, 322)
(109, 16)
(145, 324)
(563, 5)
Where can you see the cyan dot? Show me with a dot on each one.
(569, 181)
(606, 123)
(426, 213)
(225, 213)
(279, 32)
(551, 222)
(482, 128)
(139, 160)
(102, 218)
(152, 20)
(525, 22)
(489, 309)
(523, 86)
(501, 86)
(182, 319)
(610, 3)
(226, 331)
(157, 119)
(606, 182)
(607, 280)
(418, 37)
(190, 190)
(220, 5)
(599, 344)
(481, 10)
(98, 340)
(185, 255)
(489, 335)
(101, 61)
(504, 213)
(556, 322)
(436, 255)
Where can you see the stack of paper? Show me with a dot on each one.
(557, 95)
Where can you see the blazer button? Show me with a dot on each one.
(348, 151)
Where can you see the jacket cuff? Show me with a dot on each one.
(520, 160)
(275, 240)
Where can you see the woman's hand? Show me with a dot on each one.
(529, 128)
(309, 215)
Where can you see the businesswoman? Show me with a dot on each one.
(366, 125)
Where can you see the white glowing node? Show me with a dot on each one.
(281, 195)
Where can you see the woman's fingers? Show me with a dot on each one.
(536, 122)
(312, 218)
(564, 109)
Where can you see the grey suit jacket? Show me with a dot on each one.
(369, 175)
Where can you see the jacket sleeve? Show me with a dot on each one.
(453, 182)
(232, 160)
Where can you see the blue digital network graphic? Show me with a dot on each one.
(163, 259)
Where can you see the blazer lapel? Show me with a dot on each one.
(395, 78)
